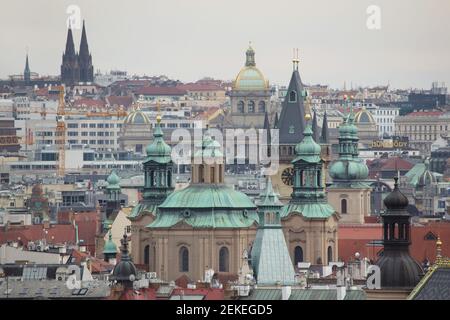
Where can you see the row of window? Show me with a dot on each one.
(91, 134)
(251, 107)
(425, 128)
(94, 125)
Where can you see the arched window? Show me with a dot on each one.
(298, 255)
(330, 254)
(319, 179)
(344, 206)
(169, 178)
(201, 177)
(240, 106)
(292, 96)
(147, 255)
(224, 260)
(184, 259)
(152, 178)
(251, 106)
(261, 106)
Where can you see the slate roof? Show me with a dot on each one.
(435, 285)
(304, 294)
(292, 117)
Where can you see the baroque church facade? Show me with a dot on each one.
(210, 225)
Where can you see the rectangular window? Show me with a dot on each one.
(91, 125)
(72, 125)
(84, 125)
(84, 134)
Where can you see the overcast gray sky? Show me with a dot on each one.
(189, 39)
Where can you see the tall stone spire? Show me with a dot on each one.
(27, 72)
(315, 128)
(292, 117)
(70, 47)
(85, 59)
(270, 256)
(70, 72)
(325, 137)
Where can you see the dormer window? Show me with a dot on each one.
(292, 96)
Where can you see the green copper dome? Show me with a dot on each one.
(307, 150)
(158, 151)
(113, 181)
(209, 148)
(110, 247)
(207, 196)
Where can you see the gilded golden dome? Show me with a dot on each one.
(250, 77)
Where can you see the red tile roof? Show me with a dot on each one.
(354, 238)
(97, 265)
(200, 87)
(425, 113)
(161, 91)
(57, 234)
(85, 102)
(124, 101)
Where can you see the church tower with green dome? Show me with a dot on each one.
(110, 249)
(206, 225)
(316, 239)
(158, 184)
(349, 193)
(113, 205)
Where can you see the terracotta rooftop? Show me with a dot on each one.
(160, 91)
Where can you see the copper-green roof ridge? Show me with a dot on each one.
(268, 196)
(321, 210)
(142, 208)
(208, 196)
(206, 218)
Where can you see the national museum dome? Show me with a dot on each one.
(137, 117)
(250, 78)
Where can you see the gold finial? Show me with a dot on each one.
(438, 248)
(307, 117)
(158, 118)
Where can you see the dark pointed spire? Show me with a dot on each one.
(84, 48)
(325, 137)
(292, 118)
(315, 128)
(275, 122)
(27, 72)
(70, 47)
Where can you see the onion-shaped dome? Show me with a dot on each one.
(113, 181)
(396, 200)
(159, 150)
(308, 150)
(125, 271)
(137, 117)
(110, 247)
(250, 77)
(348, 170)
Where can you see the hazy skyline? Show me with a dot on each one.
(188, 40)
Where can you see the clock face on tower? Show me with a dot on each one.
(287, 176)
